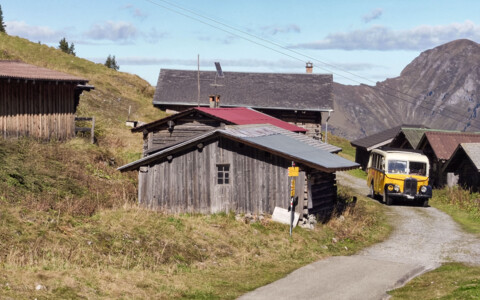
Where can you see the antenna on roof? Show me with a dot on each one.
(219, 70)
(219, 74)
(198, 80)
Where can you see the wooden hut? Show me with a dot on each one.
(241, 169)
(439, 147)
(38, 102)
(299, 99)
(465, 162)
(192, 122)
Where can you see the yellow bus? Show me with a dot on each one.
(399, 175)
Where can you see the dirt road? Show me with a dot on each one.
(423, 239)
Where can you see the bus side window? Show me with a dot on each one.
(382, 167)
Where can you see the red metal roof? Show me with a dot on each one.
(20, 70)
(445, 143)
(246, 116)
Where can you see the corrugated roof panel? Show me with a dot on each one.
(445, 143)
(269, 130)
(246, 116)
(302, 151)
(20, 70)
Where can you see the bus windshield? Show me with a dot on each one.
(409, 168)
(397, 166)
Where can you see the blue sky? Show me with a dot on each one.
(358, 41)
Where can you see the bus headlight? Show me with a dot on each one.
(393, 188)
(396, 188)
(423, 189)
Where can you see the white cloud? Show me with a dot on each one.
(34, 33)
(113, 31)
(137, 13)
(385, 39)
(373, 15)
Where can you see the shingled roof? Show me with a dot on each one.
(444, 144)
(20, 70)
(308, 92)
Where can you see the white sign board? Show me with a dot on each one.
(282, 215)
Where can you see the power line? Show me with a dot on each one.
(285, 48)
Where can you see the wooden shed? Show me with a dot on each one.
(439, 147)
(192, 122)
(38, 102)
(241, 169)
(465, 162)
(299, 99)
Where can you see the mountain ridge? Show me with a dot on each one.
(437, 89)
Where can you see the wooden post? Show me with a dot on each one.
(92, 132)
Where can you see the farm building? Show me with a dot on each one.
(189, 123)
(365, 145)
(465, 162)
(38, 102)
(240, 168)
(439, 147)
(299, 99)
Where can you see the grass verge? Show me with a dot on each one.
(450, 281)
(128, 252)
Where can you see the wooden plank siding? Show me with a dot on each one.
(258, 180)
(184, 129)
(38, 109)
(187, 182)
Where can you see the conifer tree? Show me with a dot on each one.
(2, 24)
(69, 49)
(112, 63)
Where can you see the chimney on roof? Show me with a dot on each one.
(214, 101)
(309, 68)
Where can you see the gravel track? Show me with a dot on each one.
(423, 238)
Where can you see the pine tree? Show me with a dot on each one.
(112, 63)
(2, 25)
(69, 49)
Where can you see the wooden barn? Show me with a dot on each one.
(241, 168)
(299, 99)
(465, 162)
(195, 121)
(439, 147)
(38, 102)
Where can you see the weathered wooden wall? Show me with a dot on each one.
(184, 129)
(322, 192)
(39, 109)
(259, 181)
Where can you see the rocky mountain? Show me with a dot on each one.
(438, 89)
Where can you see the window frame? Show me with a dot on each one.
(223, 174)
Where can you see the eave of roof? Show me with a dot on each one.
(293, 150)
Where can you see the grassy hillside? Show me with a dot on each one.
(70, 227)
(114, 92)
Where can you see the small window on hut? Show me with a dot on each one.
(223, 174)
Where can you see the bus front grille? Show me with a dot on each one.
(410, 187)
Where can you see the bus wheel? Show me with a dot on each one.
(425, 203)
(372, 192)
(387, 200)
